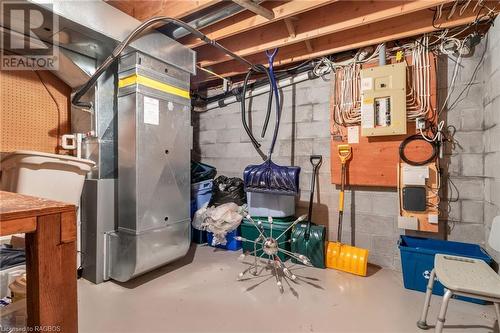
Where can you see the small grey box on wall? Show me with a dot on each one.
(407, 222)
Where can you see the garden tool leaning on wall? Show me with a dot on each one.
(309, 239)
(339, 256)
(269, 177)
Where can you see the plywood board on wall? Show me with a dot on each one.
(375, 160)
(432, 187)
(34, 111)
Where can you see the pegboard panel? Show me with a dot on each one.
(34, 111)
(375, 160)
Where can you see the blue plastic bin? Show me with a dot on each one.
(200, 194)
(417, 260)
(232, 244)
(193, 207)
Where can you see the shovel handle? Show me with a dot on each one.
(345, 153)
(316, 161)
(341, 200)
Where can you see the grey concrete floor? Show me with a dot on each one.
(200, 293)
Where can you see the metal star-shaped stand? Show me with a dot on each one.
(271, 247)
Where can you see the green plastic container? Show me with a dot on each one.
(249, 231)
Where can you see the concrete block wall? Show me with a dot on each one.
(304, 130)
(474, 161)
(371, 212)
(465, 157)
(491, 101)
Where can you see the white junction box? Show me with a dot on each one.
(408, 222)
(415, 175)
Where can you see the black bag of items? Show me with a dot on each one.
(10, 257)
(226, 190)
(201, 172)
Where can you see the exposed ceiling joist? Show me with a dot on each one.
(290, 27)
(183, 8)
(246, 21)
(405, 26)
(256, 9)
(309, 46)
(336, 17)
(143, 9)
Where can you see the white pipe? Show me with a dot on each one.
(261, 90)
(382, 55)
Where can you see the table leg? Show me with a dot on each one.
(51, 276)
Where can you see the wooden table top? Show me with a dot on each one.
(18, 206)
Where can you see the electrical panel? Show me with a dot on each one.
(383, 100)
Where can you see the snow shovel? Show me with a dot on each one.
(269, 177)
(339, 256)
(309, 239)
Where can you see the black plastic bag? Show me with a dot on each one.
(201, 171)
(10, 257)
(226, 190)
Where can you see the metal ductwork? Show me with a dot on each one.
(206, 18)
(154, 111)
(135, 185)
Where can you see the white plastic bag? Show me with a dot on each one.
(221, 220)
(199, 217)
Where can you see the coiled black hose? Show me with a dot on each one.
(260, 69)
(412, 138)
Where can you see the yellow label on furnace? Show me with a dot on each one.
(151, 83)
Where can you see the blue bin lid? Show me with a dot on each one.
(205, 185)
(433, 246)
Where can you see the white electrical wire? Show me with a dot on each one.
(345, 77)
(456, 68)
(346, 81)
(438, 136)
(464, 7)
(450, 45)
(452, 11)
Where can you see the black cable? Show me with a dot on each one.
(58, 133)
(144, 26)
(291, 69)
(469, 83)
(261, 69)
(435, 150)
(281, 74)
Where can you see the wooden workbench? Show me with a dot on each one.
(50, 229)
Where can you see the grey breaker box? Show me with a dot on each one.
(153, 183)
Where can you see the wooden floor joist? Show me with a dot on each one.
(246, 21)
(405, 26)
(309, 46)
(336, 17)
(256, 9)
(144, 9)
(290, 27)
(307, 29)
